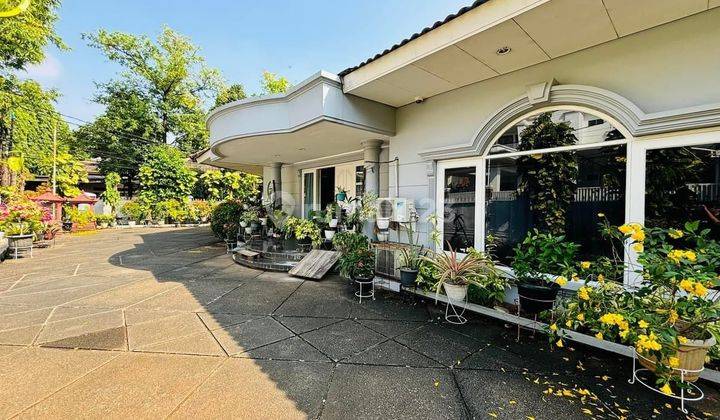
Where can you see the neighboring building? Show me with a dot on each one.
(438, 118)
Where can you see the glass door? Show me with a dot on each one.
(458, 194)
(308, 193)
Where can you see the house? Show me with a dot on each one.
(438, 118)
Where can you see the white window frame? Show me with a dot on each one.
(316, 183)
(634, 174)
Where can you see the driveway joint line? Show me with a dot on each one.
(212, 335)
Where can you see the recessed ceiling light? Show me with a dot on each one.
(302, 148)
(503, 50)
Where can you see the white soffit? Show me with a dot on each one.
(464, 50)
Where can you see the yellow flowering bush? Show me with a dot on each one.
(674, 303)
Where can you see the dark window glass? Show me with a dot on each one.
(459, 209)
(518, 189)
(683, 184)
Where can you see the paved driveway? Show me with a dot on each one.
(161, 323)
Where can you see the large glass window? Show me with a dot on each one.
(459, 208)
(683, 184)
(308, 193)
(561, 192)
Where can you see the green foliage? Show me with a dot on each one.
(450, 269)
(105, 218)
(111, 196)
(249, 216)
(302, 229)
(165, 175)
(170, 75)
(224, 219)
(117, 135)
(70, 173)
(540, 254)
(23, 38)
(232, 93)
(229, 185)
(75, 215)
(548, 179)
(349, 243)
(137, 209)
(271, 83)
(20, 216)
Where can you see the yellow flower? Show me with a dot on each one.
(643, 324)
(673, 362)
(600, 278)
(672, 317)
(585, 265)
(638, 247)
(562, 281)
(553, 327)
(687, 285)
(601, 214)
(575, 277)
(583, 293)
(682, 339)
(580, 317)
(690, 256)
(599, 336)
(559, 343)
(624, 334)
(675, 233)
(568, 323)
(645, 343)
(666, 389)
(638, 236)
(700, 290)
(625, 229)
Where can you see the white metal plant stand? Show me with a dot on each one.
(451, 311)
(361, 285)
(535, 316)
(695, 393)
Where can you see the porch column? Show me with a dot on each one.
(371, 156)
(272, 173)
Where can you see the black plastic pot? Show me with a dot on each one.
(363, 288)
(408, 276)
(535, 298)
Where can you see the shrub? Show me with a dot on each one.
(351, 245)
(81, 217)
(302, 229)
(540, 254)
(225, 218)
(136, 209)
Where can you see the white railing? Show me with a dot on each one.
(706, 191)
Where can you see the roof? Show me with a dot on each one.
(425, 30)
(48, 196)
(83, 197)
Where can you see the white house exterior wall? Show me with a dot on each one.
(667, 68)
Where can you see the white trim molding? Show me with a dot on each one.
(626, 113)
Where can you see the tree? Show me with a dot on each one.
(23, 37)
(111, 196)
(165, 175)
(120, 137)
(170, 75)
(69, 173)
(229, 185)
(271, 83)
(232, 93)
(27, 119)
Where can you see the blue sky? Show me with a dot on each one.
(241, 38)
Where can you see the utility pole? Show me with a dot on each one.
(54, 173)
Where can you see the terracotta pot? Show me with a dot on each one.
(455, 292)
(692, 357)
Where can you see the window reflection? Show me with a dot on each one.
(459, 209)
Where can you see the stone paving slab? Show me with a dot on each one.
(343, 339)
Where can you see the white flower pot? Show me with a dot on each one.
(383, 223)
(243, 224)
(248, 229)
(131, 223)
(263, 221)
(455, 292)
(333, 223)
(329, 234)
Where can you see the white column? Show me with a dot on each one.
(272, 173)
(371, 156)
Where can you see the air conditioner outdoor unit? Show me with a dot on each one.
(395, 209)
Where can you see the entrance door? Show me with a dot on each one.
(308, 193)
(327, 186)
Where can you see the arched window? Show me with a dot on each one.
(560, 169)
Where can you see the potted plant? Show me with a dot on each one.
(541, 263)
(104, 220)
(347, 243)
(454, 275)
(410, 257)
(304, 231)
(341, 194)
(363, 270)
(247, 219)
(19, 219)
(670, 318)
(331, 215)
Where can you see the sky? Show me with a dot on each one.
(239, 37)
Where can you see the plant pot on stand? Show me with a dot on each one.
(365, 286)
(329, 234)
(456, 294)
(408, 276)
(535, 298)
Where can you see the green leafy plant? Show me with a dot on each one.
(543, 254)
(349, 244)
(81, 217)
(450, 269)
(249, 216)
(105, 218)
(137, 209)
(363, 263)
(548, 179)
(302, 229)
(111, 196)
(224, 219)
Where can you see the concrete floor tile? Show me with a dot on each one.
(201, 344)
(252, 334)
(300, 325)
(343, 339)
(79, 325)
(130, 386)
(32, 374)
(293, 348)
(151, 332)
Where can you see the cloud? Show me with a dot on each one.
(47, 71)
